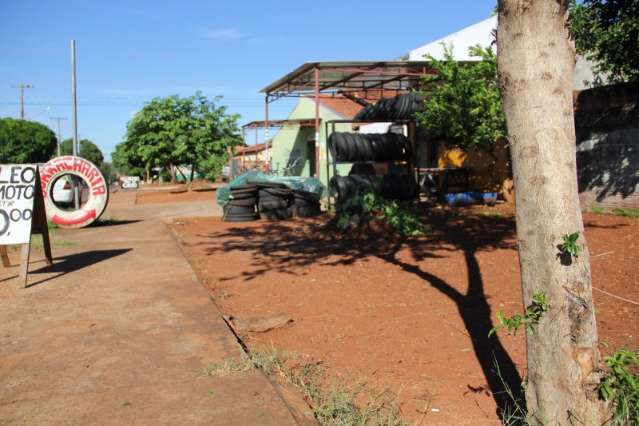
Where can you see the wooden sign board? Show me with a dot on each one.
(22, 213)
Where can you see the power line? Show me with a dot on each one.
(22, 86)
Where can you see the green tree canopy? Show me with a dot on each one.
(126, 162)
(24, 141)
(88, 150)
(462, 103)
(192, 131)
(607, 33)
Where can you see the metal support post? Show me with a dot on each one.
(317, 124)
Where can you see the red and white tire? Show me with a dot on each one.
(98, 191)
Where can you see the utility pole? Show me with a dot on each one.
(74, 103)
(59, 119)
(22, 86)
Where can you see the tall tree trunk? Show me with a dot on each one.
(536, 67)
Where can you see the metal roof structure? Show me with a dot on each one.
(312, 78)
(347, 79)
(257, 124)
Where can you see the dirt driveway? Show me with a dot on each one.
(400, 314)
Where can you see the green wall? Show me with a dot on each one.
(290, 142)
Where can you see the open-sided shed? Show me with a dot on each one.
(359, 81)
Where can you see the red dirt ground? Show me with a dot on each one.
(167, 196)
(399, 315)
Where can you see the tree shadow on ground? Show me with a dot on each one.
(73, 262)
(112, 222)
(289, 247)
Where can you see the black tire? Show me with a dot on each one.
(387, 108)
(276, 193)
(244, 201)
(273, 205)
(303, 199)
(350, 146)
(244, 189)
(241, 218)
(235, 214)
(366, 148)
(346, 187)
(362, 169)
(234, 209)
(278, 214)
(307, 211)
(332, 146)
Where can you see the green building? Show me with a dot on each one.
(293, 146)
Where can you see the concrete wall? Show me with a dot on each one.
(607, 124)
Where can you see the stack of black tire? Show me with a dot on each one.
(369, 147)
(305, 204)
(401, 107)
(390, 186)
(363, 149)
(241, 205)
(274, 202)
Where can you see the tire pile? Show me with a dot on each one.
(275, 202)
(369, 147)
(401, 107)
(390, 186)
(241, 206)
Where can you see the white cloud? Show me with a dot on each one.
(222, 34)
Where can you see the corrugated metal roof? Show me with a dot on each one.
(350, 75)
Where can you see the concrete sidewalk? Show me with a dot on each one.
(118, 331)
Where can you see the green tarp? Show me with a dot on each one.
(296, 183)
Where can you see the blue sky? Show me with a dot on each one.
(131, 51)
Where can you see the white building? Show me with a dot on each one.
(483, 33)
(480, 33)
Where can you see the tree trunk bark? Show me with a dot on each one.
(536, 68)
(191, 176)
(172, 172)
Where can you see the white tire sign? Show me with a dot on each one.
(17, 190)
(96, 197)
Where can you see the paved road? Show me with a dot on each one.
(119, 330)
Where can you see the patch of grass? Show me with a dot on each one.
(515, 413)
(336, 404)
(626, 212)
(36, 241)
(620, 386)
(227, 367)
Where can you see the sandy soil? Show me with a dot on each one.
(400, 314)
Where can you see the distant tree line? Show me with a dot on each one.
(192, 131)
(23, 141)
